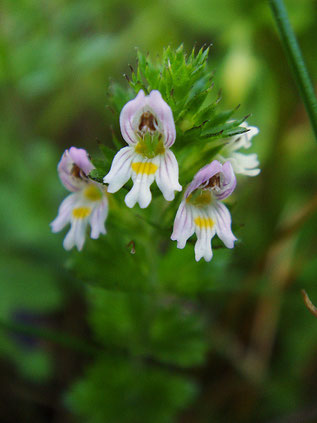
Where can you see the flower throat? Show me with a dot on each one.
(150, 139)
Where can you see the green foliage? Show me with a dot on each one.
(183, 82)
(144, 337)
(28, 278)
(186, 84)
(105, 393)
(159, 327)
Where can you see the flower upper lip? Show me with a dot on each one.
(147, 113)
(73, 168)
(214, 175)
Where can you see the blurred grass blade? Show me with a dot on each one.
(296, 60)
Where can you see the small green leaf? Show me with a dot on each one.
(97, 175)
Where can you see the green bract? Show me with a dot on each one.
(186, 84)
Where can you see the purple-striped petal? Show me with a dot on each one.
(164, 114)
(73, 168)
(203, 175)
(127, 118)
(223, 224)
(80, 157)
(120, 171)
(98, 218)
(131, 114)
(183, 224)
(167, 175)
(228, 183)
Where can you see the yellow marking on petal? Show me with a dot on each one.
(81, 212)
(140, 148)
(146, 168)
(92, 193)
(200, 198)
(150, 150)
(204, 222)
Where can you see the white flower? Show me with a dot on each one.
(147, 125)
(245, 164)
(202, 212)
(88, 202)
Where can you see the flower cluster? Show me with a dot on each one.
(147, 126)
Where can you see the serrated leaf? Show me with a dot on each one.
(126, 391)
(232, 133)
(97, 175)
(216, 120)
(207, 113)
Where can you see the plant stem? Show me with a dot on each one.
(296, 60)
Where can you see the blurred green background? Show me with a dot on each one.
(226, 341)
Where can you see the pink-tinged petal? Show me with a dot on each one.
(98, 218)
(76, 235)
(140, 192)
(223, 223)
(229, 182)
(80, 157)
(74, 181)
(167, 175)
(120, 171)
(64, 212)
(69, 181)
(153, 103)
(203, 175)
(127, 117)
(164, 114)
(183, 225)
